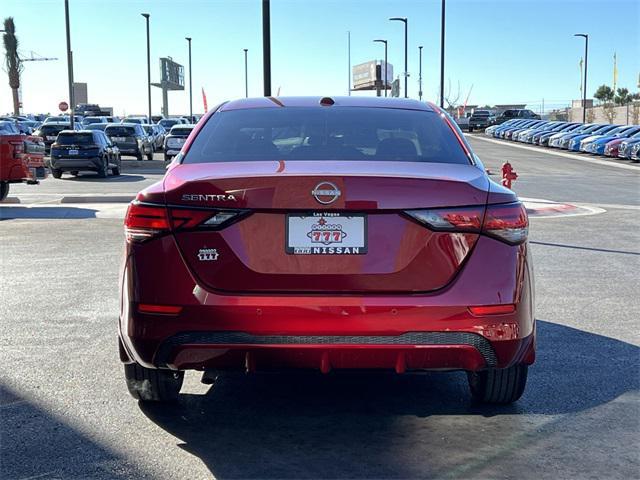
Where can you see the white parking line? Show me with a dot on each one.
(595, 161)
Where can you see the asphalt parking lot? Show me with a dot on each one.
(66, 412)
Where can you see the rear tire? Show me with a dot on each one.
(56, 173)
(4, 190)
(115, 171)
(139, 156)
(498, 385)
(104, 169)
(167, 158)
(151, 385)
(150, 155)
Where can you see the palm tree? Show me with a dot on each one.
(12, 61)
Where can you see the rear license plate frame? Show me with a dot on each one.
(332, 248)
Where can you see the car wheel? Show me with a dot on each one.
(56, 173)
(104, 169)
(115, 171)
(4, 190)
(152, 385)
(150, 155)
(498, 385)
(470, 129)
(167, 158)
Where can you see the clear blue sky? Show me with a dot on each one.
(510, 51)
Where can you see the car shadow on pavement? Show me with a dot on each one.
(93, 177)
(36, 444)
(50, 212)
(363, 425)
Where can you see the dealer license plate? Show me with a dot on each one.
(326, 233)
(51, 137)
(73, 152)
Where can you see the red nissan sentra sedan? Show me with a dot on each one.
(327, 233)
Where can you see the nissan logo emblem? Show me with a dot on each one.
(326, 193)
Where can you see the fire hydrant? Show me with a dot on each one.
(508, 174)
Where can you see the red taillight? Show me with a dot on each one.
(145, 221)
(18, 148)
(162, 309)
(483, 310)
(506, 222)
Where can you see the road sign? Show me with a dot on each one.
(63, 106)
(395, 88)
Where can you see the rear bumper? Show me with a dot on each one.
(92, 163)
(401, 332)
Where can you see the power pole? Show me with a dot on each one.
(266, 46)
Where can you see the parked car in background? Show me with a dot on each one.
(512, 133)
(563, 139)
(131, 139)
(21, 158)
(597, 145)
(635, 151)
(137, 119)
(157, 134)
(542, 138)
(481, 119)
(167, 123)
(90, 120)
(626, 146)
(516, 113)
(96, 126)
(56, 119)
(574, 143)
(585, 141)
(49, 132)
(612, 148)
(75, 151)
(174, 141)
(112, 119)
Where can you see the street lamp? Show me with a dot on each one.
(442, 23)
(246, 78)
(146, 16)
(406, 73)
(385, 65)
(188, 39)
(72, 106)
(584, 87)
(420, 73)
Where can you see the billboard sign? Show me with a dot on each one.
(366, 74)
(171, 74)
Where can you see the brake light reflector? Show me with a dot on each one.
(163, 309)
(492, 309)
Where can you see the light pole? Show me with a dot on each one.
(266, 46)
(386, 84)
(406, 72)
(420, 73)
(188, 39)
(442, 54)
(246, 78)
(146, 16)
(69, 64)
(584, 86)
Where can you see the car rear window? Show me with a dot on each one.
(333, 133)
(116, 131)
(181, 131)
(53, 129)
(168, 123)
(75, 139)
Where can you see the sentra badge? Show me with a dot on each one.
(193, 197)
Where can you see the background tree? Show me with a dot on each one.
(13, 64)
(604, 93)
(622, 96)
